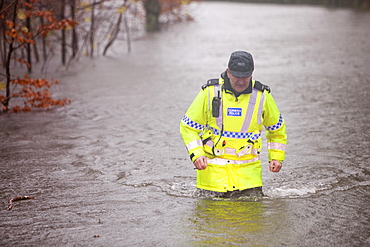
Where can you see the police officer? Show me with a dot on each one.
(222, 131)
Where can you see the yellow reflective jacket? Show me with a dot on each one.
(235, 134)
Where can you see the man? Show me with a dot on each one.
(222, 131)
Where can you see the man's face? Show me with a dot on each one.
(238, 84)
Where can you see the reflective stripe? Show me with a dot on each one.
(192, 124)
(250, 110)
(219, 119)
(209, 144)
(260, 109)
(276, 145)
(232, 151)
(237, 135)
(255, 136)
(209, 100)
(277, 125)
(194, 144)
(223, 162)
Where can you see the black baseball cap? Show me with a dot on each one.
(241, 64)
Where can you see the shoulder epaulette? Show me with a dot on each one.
(261, 87)
(210, 82)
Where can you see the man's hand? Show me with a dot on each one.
(201, 163)
(275, 165)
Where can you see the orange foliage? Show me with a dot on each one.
(18, 32)
(34, 92)
(22, 61)
(171, 6)
(53, 23)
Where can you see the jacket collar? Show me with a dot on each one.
(227, 86)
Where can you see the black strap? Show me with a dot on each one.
(261, 87)
(206, 140)
(192, 156)
(210, 82)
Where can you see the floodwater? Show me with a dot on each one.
(111, 170)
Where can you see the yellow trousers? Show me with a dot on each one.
(223, 175)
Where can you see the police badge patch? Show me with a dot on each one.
(234, 112)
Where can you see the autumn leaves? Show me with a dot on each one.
(21, 22)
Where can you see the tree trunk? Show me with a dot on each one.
(2, 40)
(74, 33)
(8, 60)
(43, 40)
(63, 45)
(29, 57)
(92, 30)
(36, 52)
(152, 9)
(128, 32)
(114, 33)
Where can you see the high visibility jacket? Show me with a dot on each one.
(232, 140)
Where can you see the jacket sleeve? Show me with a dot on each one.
(193, 123)
(275, 129)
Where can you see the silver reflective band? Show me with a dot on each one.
(219, 119)
(276, 145)
(194, 144)
(224, 162)
(232, 151)
(250, 110)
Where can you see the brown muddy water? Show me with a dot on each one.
(111, 170)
